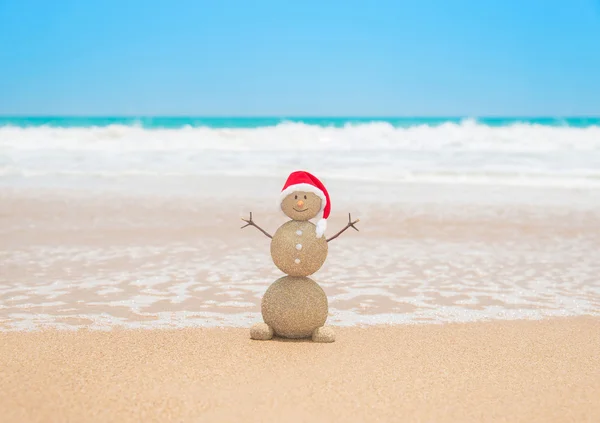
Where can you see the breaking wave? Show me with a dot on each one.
(463, 152)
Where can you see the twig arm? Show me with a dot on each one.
(250, 222)
(349, 225)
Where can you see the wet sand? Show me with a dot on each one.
(105, 260)
(521, 371)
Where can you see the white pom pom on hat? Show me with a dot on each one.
(303, 181)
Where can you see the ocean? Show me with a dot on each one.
(258, 122)
(555, 152)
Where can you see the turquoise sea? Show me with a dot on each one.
(258, 122)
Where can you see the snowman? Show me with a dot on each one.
(295, 306)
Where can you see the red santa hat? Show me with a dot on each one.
(304, 181)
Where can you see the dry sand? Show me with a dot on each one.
(521, 371)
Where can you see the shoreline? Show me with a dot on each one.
(518, 371)
(111, 261)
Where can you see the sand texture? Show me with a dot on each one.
(294, 307)
(296, 250)
(522, 371)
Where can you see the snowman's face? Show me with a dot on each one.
(301, 205)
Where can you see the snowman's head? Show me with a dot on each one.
(301, 205)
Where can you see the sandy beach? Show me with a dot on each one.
(522, 371)
(463, 304)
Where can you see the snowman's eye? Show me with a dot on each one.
(295, 197)
(305, 197)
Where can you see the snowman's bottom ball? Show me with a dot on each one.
(294, 307)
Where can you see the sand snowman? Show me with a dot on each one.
(295, 306)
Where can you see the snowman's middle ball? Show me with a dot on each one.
(296, 250)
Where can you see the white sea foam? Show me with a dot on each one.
(518, 154)
(369, 281)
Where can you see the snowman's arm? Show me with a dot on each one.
(349, 225)
(250, 222)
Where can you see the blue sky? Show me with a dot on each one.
(385, 58)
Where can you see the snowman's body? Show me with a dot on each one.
(296, 250)
(295, 306)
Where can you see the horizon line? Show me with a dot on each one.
(191, 116)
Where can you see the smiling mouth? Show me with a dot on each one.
(300, 211)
